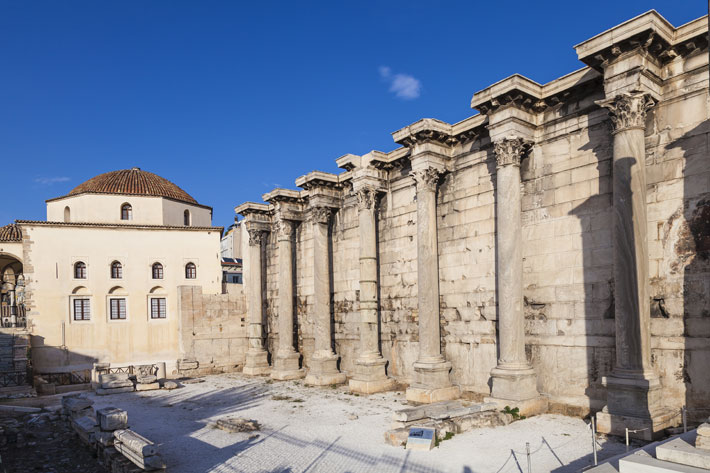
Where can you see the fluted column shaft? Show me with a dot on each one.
(513, 378)
(432, 382)
(368, 276)
(631, 292)
(256, 356)
(285, 289)
(323, 365)
(255, 294)
(321, 279)
(634, 394)
(509, 251)
(286, 361)
(428, 267)
(369, 375)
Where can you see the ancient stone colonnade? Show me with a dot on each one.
(509, 154)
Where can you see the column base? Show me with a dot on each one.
(370, 377)
(257, 363)
(323, 371)
(635, 402)
(519, 384)
(432, 383)
(286, 367)
(526, 407)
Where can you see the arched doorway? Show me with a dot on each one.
(12, 292)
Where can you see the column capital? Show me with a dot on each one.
(319, 214)
(366, 198)
(510, 150)
(283, 228)
(628, 110)
(426, 178)
(256, 235)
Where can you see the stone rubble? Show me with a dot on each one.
(106, 432)
(237, 424)
(702, 440)
(446, 417)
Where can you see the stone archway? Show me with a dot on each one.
(12, 291)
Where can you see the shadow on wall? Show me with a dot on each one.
(52, 359)
(689, 227)
(595, 223)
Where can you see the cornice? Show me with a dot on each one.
(315, 179)
(283, 195)
(252, 208)
(648, 34)
(525, 94)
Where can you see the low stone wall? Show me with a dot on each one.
(212, 330)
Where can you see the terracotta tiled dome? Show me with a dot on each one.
(132, 182)
(11, 232)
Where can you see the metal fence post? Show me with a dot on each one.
(594, 440)
(627, 439)
(527, 449)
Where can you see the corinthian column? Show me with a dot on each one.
(431, 383)
(370, 376)
(286, 359)
(323, 365)
(633, 387)
(513, 378)
(257, 358)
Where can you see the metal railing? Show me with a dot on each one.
(65, 379)
(13, 378)
(143, 370)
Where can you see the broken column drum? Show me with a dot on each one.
(513, 378)
(286, 360)
(370, 373)
(256, 357)
(323, 365)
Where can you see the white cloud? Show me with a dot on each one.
(403, 86)
(48, 181)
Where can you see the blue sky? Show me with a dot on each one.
(230, 99)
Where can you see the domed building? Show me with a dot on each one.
(101, 275)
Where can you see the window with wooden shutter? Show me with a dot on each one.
(82, 310)
(158, 308)
(118, 309)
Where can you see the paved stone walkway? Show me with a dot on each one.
(329, 430)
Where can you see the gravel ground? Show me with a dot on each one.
(305, 429)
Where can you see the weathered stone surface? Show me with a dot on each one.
(680, 451)
(86, 428)
(397, 437)
(107, 391)
(237, 425)
(135, 442)
(569, 215)
(104, 438)
(420, 412)
(115, 380)
(149, 379)
(75, 403)
(112, 418)
(170, 385)
(147, 387)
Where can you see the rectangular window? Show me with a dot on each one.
(82, 309)
(118, 309)
(158, 308)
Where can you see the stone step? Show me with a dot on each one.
(682, 452)
(648, 464)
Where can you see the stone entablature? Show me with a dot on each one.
(494, 239)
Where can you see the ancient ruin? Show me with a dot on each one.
(549, 252)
